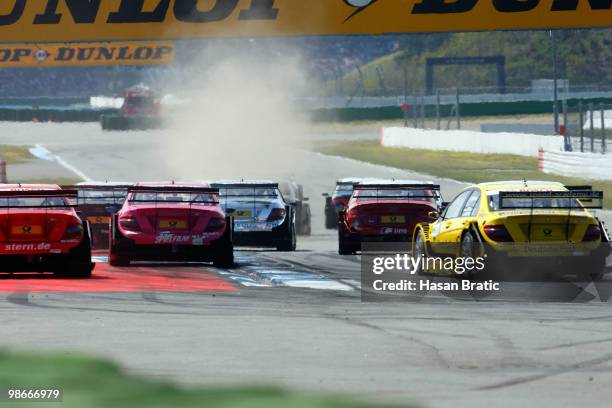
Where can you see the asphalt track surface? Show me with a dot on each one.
(297, 320)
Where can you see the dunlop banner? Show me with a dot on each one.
(81, 54)
(100, 20)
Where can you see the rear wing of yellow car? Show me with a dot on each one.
(573, 198)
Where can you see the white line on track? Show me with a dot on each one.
(43, 153)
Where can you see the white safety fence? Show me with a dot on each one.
(607, 120)
(574, 164)
(469, 141)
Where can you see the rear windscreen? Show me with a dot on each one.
(343, 190)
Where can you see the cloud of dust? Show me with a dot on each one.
(240, 122)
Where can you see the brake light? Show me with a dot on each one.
(277, 214)
(73, 231)
(498, 233)
(593, 233)
(129, 224)
(215, 224)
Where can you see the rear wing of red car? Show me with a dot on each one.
(574, 198)
(100, 194)
(160, 194)
(31, 198)
(380, 189)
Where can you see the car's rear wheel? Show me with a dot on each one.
(467, 250)
(289, 242)
(79, 264)
(419, 252)
(115, 257)
(223, 256)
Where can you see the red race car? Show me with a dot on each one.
(40, 231)
(338, 200)
(385, 211)
(171, 222)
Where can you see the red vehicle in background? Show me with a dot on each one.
(140, 100)
(338, 200)
(40, 231)
(385, 211)
(171, 222)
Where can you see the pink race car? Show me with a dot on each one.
(171, 222)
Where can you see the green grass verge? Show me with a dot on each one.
(89, 382)
(15, 154)
(61, 181)
(467, 167)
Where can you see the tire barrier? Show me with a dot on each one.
(595, 166)
(52, 115)
(474, 109)
(121, 123)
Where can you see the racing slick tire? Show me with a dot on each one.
(419, 251)
(223, 248)
(79, 264)
(348, 244)
(289, 242)
(116, 258)
(467, 250)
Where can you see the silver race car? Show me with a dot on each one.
(262, 217)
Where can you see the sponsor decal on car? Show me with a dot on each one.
(170, 238)
(199, 239)
(394, 231)
(254, 226)
(43, 246)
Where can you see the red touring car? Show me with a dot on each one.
(40, 231)
(171, 222)
(385, 211)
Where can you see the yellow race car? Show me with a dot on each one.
(522, 227)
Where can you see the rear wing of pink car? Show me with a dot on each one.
(164, 194)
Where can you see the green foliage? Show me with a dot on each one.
(92, 383)
(582, 55)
